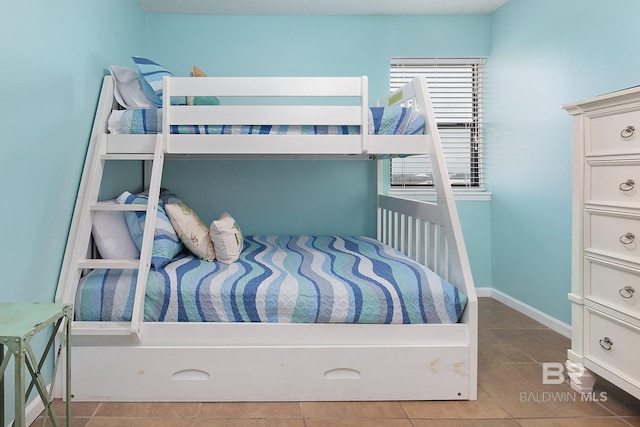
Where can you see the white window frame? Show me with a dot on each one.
(452, 72)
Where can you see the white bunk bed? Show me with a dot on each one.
(138, 360)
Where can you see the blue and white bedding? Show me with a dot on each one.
(382, 121)
(285, 279)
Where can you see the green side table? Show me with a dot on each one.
(19, 323)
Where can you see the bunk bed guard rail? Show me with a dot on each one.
(299, 90)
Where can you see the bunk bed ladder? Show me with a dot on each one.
(83, 242)
(79, 255)
(137, 316)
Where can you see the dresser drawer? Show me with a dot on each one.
(613, 345)
(615, 184)
(613, 134)
(613, 286)
(615, 235)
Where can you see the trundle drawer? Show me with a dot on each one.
(616, 235)
(613, 286)
(613, 345)
(614, 184)
(616, 134)
(263, 373)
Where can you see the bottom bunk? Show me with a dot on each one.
(280, 279)
(250, 339)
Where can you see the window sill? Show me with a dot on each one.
(429, 194)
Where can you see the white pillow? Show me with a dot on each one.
(227, 238)
(111, 235)
(192, 231)
(128, 88)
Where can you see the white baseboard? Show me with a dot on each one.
(537, 315)
(483, 292)
(34, 409)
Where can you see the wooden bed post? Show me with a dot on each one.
(364, 104)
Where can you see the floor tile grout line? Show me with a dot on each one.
(625, 421)
(95, 412)
(498, 404)
(404, 411)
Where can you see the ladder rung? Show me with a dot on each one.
(127, 156)
(117, 207)
(115, 264)
(92, 329)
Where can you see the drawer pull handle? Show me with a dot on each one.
(627, 292)
(627, 185)
(606, 343)
(627, 238)
(627, 132)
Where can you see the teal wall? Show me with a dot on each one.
(545, 53)
(54, 55)
(278, 196)
(309, 46)
(475, 219)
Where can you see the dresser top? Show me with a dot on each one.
(619, 97)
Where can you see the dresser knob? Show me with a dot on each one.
(626, 292)
(627, 238)
(627, 132)
(606, 343)
(627, 185)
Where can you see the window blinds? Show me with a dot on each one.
(455, 87)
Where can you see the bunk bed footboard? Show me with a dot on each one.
(431, 234)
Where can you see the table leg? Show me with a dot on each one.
(67, 348)
(2, 421)
(38, 381)
(19, 360)
(4, 363)
(35, 367)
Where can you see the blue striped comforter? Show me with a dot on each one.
(382, 121)
(286, 279)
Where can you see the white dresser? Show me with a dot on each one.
(605, 290)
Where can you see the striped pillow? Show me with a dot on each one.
(166, 243)
(151, 75)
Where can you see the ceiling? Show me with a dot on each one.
(321, 7)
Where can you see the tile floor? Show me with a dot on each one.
(510, 393)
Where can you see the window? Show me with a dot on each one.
(455, 87)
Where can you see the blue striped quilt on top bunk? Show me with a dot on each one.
(382, 121)
(283, 279)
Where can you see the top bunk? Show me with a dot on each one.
(299, 117)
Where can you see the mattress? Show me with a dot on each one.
(382, 121)
(281, 279)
